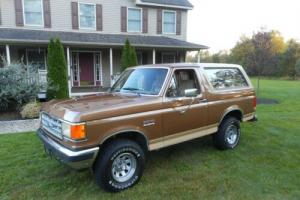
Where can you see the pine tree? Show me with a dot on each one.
(129, 58)
(133, 57)
(57, 71)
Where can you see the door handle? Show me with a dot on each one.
(203, 100)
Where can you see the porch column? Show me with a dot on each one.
(154, 56)
(199, 56)
(69, 71)
(111, 66)
(7, 54)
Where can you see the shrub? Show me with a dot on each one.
(57, 71)
(31, 110)
(18, 85)
(297, 67)
(129, 58)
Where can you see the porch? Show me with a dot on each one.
(90, 70)
(93, 61)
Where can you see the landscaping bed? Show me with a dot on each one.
(9, 115)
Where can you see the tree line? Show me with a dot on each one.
(265, 53)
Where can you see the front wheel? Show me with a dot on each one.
(120, 165)
(228, 135)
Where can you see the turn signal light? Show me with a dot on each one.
(77, 132)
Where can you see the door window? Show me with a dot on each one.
(183, 79)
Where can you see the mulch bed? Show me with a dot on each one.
(266, 101)
(9, 115)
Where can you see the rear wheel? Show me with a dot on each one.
(120, 165)
(228, 135)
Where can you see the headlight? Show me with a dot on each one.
(74, 132)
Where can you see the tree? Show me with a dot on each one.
(57, 71)
(297, 67)
(248, 50)
(133, 57)
(129, 58)
(289, 58)
(241, 52)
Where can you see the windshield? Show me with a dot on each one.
(147, 81)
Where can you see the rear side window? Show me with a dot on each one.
(225, 78)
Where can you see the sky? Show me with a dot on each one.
(220, 23)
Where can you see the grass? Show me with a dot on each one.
(266, 164)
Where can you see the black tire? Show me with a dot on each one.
(104, 170)
(222, 139)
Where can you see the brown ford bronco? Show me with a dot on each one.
(148, 108)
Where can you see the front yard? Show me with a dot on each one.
(266, 164)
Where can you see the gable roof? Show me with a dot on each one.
(93, 39)
(183, 4)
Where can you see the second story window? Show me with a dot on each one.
(169, 22)
(87, 16)
(33, 12)
(134, 20)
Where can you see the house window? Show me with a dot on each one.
(33, 12)
(37, 57)
(168, 58)
(98, 67)
(134, 20)
(87, 16)
(169, 22)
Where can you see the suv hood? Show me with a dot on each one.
(101, 106)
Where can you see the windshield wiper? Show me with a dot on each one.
(130, 89)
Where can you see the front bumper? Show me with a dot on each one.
(74, 159)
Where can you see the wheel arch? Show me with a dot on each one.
(234, 111)
(134, 135)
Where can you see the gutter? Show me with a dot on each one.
(140, 3)
(20, 41)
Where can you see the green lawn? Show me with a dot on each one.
(266, 164)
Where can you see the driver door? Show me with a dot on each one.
(187, 114)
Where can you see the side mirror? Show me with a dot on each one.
(191, 92)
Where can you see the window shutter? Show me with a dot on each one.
(19, 12)
(145, 20)
(74, 7)
(178, 22)
(47, 14)
(99, 17)
(159, 21)
(123, 19)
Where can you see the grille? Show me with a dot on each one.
(52, 125)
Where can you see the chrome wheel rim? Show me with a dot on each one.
(232, 134)
(124, 167)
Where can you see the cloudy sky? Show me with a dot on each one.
(220, 23)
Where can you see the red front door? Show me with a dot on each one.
(86, 64)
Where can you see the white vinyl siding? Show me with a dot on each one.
(169, 22)
(33, 12)
(87, 16)
(134, 17)
(61, 16)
